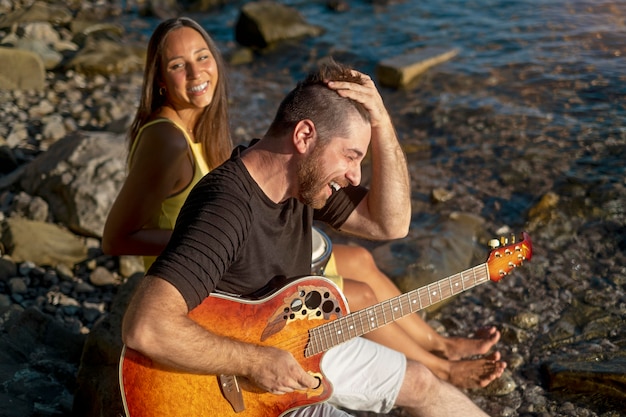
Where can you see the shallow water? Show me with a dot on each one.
(550, 71)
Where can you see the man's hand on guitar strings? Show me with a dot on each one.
(277, 371)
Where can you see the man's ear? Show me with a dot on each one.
(304, 135)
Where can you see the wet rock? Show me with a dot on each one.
(501, 386)
(402, 71)
(525, 320)
(599, 377)
(264, 23)
(514, 361)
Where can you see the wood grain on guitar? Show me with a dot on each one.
(306, 317)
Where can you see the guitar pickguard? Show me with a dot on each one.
(307, 302)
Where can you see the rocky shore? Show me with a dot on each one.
(62, 160)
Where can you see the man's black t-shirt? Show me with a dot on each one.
(230, 236)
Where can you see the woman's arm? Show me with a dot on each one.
(160, 167)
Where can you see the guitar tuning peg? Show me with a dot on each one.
(493, 243)
(504, 240)
(512, 238)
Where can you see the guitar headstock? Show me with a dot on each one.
(507, 255)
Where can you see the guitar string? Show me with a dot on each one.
(334, 332)
(379, 315)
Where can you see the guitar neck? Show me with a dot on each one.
(368, 319)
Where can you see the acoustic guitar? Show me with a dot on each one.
(306, 317)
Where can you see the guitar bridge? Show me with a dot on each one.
(232, 392)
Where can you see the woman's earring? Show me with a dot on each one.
(162, 91)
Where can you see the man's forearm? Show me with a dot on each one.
(389, 197)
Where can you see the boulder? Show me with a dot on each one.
(264, 23)
(21, 70)
(79, 177)
(402, 71)
(41, 243)
(39, 11)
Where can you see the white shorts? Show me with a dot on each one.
(366, 376)
(319, 410)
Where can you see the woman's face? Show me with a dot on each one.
(189, 70)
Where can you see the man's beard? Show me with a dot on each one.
(310, 180)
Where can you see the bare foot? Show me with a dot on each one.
(462, 347)
(476, 373)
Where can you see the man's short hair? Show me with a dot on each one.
(312, 99)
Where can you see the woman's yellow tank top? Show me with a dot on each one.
(166, 218)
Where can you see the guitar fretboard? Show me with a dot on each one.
(360, 322)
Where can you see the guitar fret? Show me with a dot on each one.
(411, 302)
(311, 348)
(327, 337)
(337, 332)
(359, 321)
(390, 309)
(371, 319)
(352, 327)
(334, 333)
(485, 272)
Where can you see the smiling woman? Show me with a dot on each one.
(180, 132)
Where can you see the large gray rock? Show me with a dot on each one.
(49, 56)
(265, 23)
(79, 176)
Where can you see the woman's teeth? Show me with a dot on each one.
(198, 88)
(334, 186)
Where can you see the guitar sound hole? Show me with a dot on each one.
(313, 300)
(328, 306)
(296, 305)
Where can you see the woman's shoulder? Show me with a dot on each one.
(164, 133)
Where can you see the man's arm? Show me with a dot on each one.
(157, 325)
(385, 212)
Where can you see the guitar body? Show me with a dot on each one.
(282, 320)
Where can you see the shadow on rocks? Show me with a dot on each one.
(98, 390)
